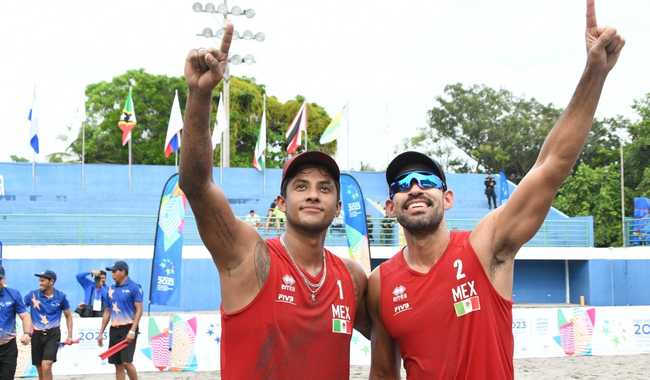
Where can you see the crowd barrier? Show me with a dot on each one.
(190, 342)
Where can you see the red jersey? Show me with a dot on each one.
(449, 323)
(282, 334)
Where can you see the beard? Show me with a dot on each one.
(422, 224)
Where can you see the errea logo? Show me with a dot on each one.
(399, 293)
(288, 283)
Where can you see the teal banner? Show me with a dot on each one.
(354, 215)
(167, 262)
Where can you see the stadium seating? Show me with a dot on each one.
(57, 208)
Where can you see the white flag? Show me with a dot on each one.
(219, 124)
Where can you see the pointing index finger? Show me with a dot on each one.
(227, 39)
(591, 14)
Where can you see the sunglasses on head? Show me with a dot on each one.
(424, 180)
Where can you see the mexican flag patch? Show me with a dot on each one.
(341, 326)
(467, 306)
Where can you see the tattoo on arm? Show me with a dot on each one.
(262, 263)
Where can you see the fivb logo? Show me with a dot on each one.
(288, 283)
(399, 293)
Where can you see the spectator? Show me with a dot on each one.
(47, 304)
(275, 217)
(252, 219)
(369, 226)
(386, 237)
(490, 192)
(124, 310)
(12, 305)
(94, 286)
(270, 214)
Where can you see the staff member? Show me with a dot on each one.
(123, 309)
(94, 293)
(46, 305)
(11, 303)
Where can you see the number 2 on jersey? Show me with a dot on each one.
(458, 264)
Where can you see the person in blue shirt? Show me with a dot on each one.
(47, 304)
(124, 310)
(11, 303)
(94, 286)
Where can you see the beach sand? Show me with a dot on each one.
(630, 367)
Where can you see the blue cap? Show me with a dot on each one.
(49, 274)
(2, 271)
(119, 265)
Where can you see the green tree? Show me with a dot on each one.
(596, 192)
(15, 158)
(500, 130)
(637, 152)
(153, 96)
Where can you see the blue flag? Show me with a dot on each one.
(354, 214)
(32, 117)
(504, 190)
(167, 262)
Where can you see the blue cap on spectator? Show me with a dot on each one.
(50, 275)
(119, 265)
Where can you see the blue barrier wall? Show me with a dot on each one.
(200, 281)
(602, 282)
(539, 281)
(618, 282)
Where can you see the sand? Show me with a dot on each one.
(601, 367)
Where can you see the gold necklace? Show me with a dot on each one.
(312, 287)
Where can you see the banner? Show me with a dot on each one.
(168, 248)
(641, 207)
(354, 215)
(195, 346)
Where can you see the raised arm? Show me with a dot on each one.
(385, 357)
(500, 235)
(83, 280)
(230, 241)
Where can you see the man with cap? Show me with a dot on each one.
(288, 304)
(124, 309)
(94, 286)
(11, 304)
(46, 305)
(443, 302)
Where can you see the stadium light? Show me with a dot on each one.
(235, 59)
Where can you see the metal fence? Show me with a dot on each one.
(46, 229)
(637, 231)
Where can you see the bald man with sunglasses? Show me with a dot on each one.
(443, 303)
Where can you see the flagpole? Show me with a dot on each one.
(306, 137)
(83, 154)
(221, 160)
(130, 159)
(33, 170)
(348, 136)
(264, 150)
